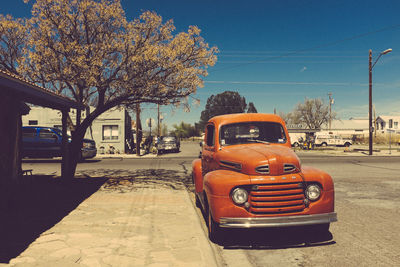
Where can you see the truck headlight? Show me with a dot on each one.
(313, 192)
(239, 196)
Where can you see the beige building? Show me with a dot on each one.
(385, 123)
(110, 130)
(348, 128)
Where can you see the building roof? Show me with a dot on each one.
(387, 118)
(31, 93)
(352, 124)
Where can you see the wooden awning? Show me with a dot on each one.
(30, 93)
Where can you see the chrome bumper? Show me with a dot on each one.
(281, 221)
(88, 153)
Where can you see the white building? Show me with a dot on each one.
(385, 123)
(348, 128)
(110, 130)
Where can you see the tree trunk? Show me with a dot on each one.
(74, 152)
(77, 141)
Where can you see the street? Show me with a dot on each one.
(367, 204)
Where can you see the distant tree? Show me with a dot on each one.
(227, 102)
(184, 130)
(313, 113)
(289, 118)
(251, 108)
(163, 129)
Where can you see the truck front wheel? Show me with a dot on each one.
(214, 231)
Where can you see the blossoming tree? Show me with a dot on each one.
(89, 51)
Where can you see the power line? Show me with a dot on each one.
(244, 62)
(392, 27)
(301, 83)
(306, 56)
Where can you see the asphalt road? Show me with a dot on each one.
(367, 203)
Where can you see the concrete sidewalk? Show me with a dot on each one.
(144, 225)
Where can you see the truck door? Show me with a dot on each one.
(207, 156)
(29, 139)
(338, 140)
(49, 143)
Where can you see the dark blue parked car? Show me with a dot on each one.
(45, 142)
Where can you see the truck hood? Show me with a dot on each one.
(259, 159)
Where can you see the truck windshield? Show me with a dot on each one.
(252, 132)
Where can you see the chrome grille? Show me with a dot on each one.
(263, 169)
(276, 198)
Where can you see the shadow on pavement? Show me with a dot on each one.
(277, 238)
(36, 206)
(125, 180)
(57, 160)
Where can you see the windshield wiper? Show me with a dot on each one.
(259, 141)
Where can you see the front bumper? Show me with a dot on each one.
(88, 153)
(281, 221)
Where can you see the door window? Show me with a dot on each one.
(210, 135)
(47, 134)
(28, 132)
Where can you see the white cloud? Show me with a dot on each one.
(382, 108)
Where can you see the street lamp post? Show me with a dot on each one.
(371, 66)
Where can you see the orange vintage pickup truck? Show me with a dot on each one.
(248, 176)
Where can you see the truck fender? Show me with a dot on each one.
(197, 175)
(315, 175)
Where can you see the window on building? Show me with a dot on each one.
(390, 123)
(396, 124)
(33, 122)
(110, 132)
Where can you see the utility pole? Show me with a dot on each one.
(331, 101)
(370, 94)
(138, 135)
(158, 120)
(370, 103)
(373, 107)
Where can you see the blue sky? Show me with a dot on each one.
(276, 53)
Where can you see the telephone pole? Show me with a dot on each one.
(158, 119)
(138, 130)
(370, 67)
(331, 101)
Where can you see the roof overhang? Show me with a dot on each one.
(33, 94)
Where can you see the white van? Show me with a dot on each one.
(297, 138)
(331, 140)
